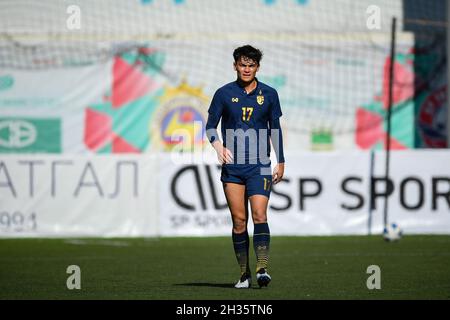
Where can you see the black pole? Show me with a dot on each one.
(372, 164)
(389, 113)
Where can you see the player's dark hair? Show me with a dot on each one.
(249, 52)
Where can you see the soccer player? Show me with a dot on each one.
(250, 112)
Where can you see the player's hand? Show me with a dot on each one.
(224, 155)
(278, 173)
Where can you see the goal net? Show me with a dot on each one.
(137, 65)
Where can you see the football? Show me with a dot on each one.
(392, 232)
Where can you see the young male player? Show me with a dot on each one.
(250, 112)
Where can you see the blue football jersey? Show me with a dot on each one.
(245, 120)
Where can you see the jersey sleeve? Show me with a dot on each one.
(216, 106)
(214, 115)
(276, 136)
(275, 111)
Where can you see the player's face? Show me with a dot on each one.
(246, 69)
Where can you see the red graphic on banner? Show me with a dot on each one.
(120, 145)
(98, 129)
(367, 136)
(402, 89)
(119, 123)
(129, 83)
(370, 119)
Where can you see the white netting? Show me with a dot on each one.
(327, 58)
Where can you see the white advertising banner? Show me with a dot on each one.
(323, 193)
(56, 196)
(309, 201)
(420, 199)
(44, 110)
(191, 197)
(120, 106)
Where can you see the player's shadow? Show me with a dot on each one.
(206, 284)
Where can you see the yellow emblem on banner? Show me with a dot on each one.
(260, 100)
(178, 120)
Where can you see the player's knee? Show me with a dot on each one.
(259, 216)
(239, 225)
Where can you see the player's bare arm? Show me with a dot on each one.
(278, 173)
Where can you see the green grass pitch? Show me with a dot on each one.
(417, 267)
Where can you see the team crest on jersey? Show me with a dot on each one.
(260, 100)
(235, 99)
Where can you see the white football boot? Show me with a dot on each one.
(244, 282)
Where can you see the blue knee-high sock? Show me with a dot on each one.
(241, 245)
(261, 244)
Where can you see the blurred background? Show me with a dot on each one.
(92, 94)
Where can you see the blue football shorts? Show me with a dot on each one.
(257, 178)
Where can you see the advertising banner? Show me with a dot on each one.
(322, 193)
(57, 196)
(419, 191)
